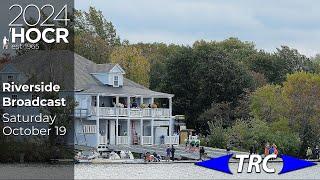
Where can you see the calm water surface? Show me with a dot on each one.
(181, 171)
(142, 171)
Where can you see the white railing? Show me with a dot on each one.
(103, 140)
(147, 112)
(123, 140)
(132, 112)
(161, 112)
(122, 111)
(89, 129)
(135, 112)
(107, 111)
(147, 139)
(171, 139)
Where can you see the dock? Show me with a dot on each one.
(181, 152)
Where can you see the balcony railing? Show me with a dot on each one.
(147, 139)
(123, 140)
(103, 140)
(132, 112)
(171, 139)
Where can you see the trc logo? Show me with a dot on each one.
(222, 163)
(255, 161)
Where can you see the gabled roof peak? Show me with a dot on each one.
(105, 68)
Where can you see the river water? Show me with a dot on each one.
(143, 171)
(182, 171)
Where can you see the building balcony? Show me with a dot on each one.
(131, 112)
(146, 140)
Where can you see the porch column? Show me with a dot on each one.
(117, 131)
(97, 120)
(170, 120)
(141, 100)
(128, 105)
(152, 110)
(152, 122)
(141, 126)
(129, 131)
(117, 102)
(170, 106)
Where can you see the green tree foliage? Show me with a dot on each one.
(201, 75)
(267, 103)
(221, 112)
(95, 37)
(302, 91)
(293, 107)
(219, 77)
(217, 137)
(158, 55)
(179, 80)
(254, 133)
(136, 66)
(315, 66)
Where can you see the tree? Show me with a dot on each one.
(179, 80)
(95, 23)
(218, 77)
(302, 91)
(136, 66)
(264, 63)
(158, 55)
(315, 65)
(293, 111)
(95, 37)
(221, 112)
(267, 103)
(237, 50)
(217, 137)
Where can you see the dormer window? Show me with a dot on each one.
(10, 78)
(115, 81)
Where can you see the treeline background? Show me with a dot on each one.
(229, 91)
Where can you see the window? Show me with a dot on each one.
(10, 78)
(116, 81)
(94, 101)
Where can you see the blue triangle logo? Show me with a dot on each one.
(293, 164)
(219, 164)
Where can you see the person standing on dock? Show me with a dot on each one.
(317, 152)
(168, 153)
(309, 153)
(201, 152)
(172, 152)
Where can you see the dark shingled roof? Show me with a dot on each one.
(57, 65)
(100, 68)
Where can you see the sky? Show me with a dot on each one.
(267, 23)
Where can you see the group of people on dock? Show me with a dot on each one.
(154, 157)
(271, 149)
(313, 153)
(170, 151)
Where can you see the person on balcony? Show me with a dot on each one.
(134, 105)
